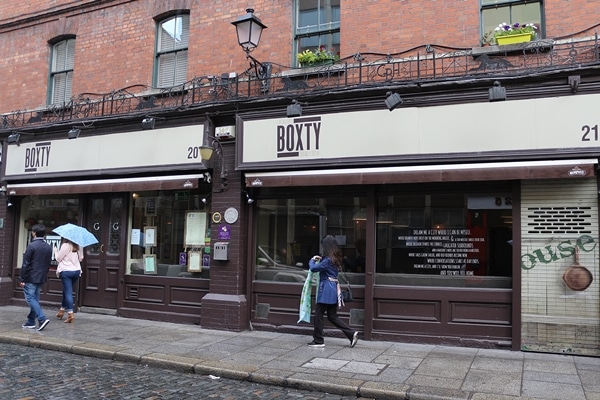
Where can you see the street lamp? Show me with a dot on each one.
(249, 29)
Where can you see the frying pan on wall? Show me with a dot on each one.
(577, 277)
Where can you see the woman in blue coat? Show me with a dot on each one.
(328, 292)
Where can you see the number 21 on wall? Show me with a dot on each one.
(590, 133)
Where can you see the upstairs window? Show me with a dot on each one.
(172, 51)
(495, 12)
(317, 24)
(61, 71)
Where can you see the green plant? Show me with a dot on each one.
(505, 29)
(309, 57)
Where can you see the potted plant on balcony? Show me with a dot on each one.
(515, 33)
(320, 56)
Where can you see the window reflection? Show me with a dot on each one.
(160, 217)
(51, 211)
(444, 240)
(289, 232)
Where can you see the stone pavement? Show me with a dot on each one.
(373, 369)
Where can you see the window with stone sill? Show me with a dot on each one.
(172, 51)
(495, 12)
(317, 24)
(62, 61)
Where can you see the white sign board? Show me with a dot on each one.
(512, 125)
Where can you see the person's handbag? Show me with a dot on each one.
(347, 294)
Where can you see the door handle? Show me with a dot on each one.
(101, 248)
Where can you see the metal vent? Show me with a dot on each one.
(565, 208)
(558, 220)
(262, 310)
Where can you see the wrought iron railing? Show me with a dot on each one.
(420, 64)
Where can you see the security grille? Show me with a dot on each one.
(559, 229)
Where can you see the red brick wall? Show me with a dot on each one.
(115, 39)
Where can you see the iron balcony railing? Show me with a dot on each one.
(421, 64)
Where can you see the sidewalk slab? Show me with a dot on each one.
(371, 370)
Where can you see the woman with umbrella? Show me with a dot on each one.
(69, 257)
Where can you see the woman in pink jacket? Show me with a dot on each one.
(69, 258)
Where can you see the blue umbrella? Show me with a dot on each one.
(76, 234)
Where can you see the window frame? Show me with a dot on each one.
(327, 33)
(176, 54)
(485, 5)
(65, 70)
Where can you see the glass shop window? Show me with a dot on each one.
(52, 211)
(289, 232)
(457, 240)
(169, 235)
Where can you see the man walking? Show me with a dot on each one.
(34, 273)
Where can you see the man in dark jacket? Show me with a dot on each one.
(34, 273)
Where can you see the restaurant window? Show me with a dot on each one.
(61, 71)
(170, 235)
(444, 240)
(496, 12)
(289, 232)
(317, 24)
(52, 211)
(172, 51)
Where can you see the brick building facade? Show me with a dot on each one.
(100, 67)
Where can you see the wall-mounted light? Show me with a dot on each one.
(212, 145)
(574, 81)
(74, 133)
(497, 92)
(249, 30)
(205, 198)
(294, 109)
(148, 123)
(8, 202)
(392, 100)
(249, 199)
(14, 138)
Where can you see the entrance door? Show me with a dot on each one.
(106, 218)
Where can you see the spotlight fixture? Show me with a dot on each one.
(74, 133)
(13, 138)
(497, 92)
(249, 199)
(294, 109)
(8, 202)
(148, 123)
(393, 100)
(205, 199)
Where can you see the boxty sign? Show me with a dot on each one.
(422, 131)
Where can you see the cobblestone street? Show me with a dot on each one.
(31, 373)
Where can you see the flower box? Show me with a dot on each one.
(317, 63)
(313, 58)
(514, 39)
